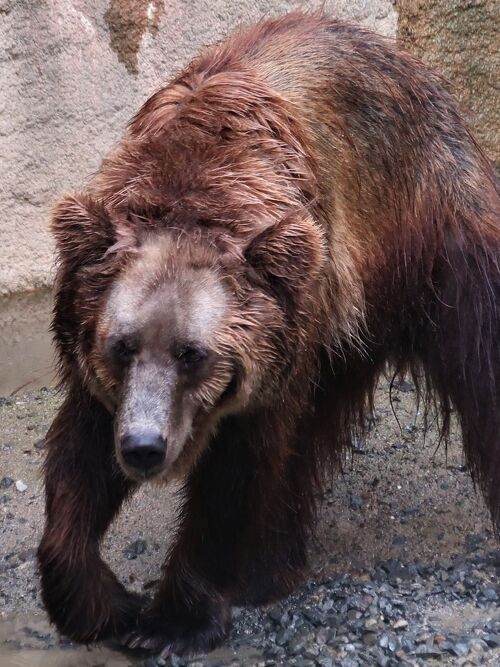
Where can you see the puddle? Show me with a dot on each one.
(29, 641)
(26, 353)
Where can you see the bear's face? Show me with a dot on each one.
(174, 351)
(174, 322)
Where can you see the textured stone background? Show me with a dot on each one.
(461, 39)
(72, 72)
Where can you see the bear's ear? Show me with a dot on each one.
(85, 231)
(291, 253)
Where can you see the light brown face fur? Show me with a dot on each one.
(167, 357)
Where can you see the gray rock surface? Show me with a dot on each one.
(409, 577)
(461, 40)
(72, 73)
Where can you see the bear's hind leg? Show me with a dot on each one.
(84, 491)
(462, 356)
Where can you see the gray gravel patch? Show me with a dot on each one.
(404, 568)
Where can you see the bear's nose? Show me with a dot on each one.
(144, 450)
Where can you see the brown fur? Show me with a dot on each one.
(328, 180)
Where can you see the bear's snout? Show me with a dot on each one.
(144, 451)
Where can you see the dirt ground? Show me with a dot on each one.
(397, 497)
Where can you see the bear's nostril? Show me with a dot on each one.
(143, 451)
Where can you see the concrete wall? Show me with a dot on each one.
(461, 40)
(72, 72)
(26, 352)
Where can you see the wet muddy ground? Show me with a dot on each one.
(404, 566)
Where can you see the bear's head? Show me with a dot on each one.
(189, 271)
(173, 328)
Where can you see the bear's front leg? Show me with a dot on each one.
(241, 540)
(191, 610)
(84, 490)
(188, 616)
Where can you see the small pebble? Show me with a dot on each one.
(490, 594)
(134, 549)
(356, 503)
(324, 662)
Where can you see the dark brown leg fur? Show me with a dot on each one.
(84, 490)
(231, 547)
(462, 357)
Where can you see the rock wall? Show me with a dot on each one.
(72, 72)
(461, 40)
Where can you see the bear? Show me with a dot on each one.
(300, 209)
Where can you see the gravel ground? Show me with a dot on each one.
(404, 568)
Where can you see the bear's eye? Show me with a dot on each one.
(191, 355)
(123, 349)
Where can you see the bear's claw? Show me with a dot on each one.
(136, 640)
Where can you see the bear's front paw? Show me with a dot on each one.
(89, 609)
(103, 621)
(186, 634)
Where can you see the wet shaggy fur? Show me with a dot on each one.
(331, 180)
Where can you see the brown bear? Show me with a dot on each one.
(298, 209)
